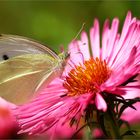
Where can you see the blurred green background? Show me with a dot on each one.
(57, 22)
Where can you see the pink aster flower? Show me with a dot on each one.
(94, 71)
(8, 125)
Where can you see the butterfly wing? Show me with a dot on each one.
(12, 45)
(20, 75)
(20, 90)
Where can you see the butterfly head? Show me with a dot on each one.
(64, 57)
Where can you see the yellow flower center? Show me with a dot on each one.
(87, 78)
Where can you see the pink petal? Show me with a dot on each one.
(105, 38)
(126, 23)
(112, 38)
(100, 102)
(84, 46)
(95, 39)
(75, 54)
(127, 41)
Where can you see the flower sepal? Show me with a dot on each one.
(111, 122)
(127, 103)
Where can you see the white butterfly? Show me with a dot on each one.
(31, 65)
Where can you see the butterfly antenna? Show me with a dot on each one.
(79, 31)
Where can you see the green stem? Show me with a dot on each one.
(111, 124)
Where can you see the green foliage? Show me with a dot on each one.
(57, 22)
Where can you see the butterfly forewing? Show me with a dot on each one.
(12, 45)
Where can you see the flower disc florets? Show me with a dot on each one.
(87, 78)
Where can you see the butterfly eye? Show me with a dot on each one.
(5, 57)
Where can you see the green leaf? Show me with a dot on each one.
(130, 132)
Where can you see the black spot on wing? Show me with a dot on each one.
(5, 57)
